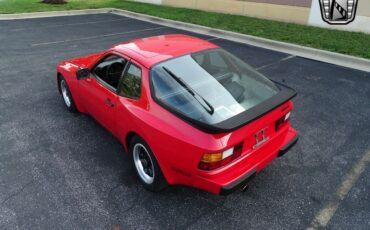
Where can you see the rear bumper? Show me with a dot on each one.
(243, 170)
(246, 178)
(288, 146)
(242, 181)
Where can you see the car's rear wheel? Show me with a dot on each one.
(146, 165)
(66, 94)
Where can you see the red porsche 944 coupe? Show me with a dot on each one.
(187, 111)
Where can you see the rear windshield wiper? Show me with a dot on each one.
(203, 102)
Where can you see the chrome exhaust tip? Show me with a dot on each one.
(244, 188)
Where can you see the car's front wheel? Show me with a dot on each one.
(66, 94)
(146, 165)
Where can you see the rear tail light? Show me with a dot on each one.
(282, 121)
(212, 161)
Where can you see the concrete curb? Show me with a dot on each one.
(296, 50)
(49, 14)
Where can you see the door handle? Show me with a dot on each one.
(109, 102)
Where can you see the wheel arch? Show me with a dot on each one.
(129, 136)
(162, 165)
(73, 88)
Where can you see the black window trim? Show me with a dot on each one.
(284, 95)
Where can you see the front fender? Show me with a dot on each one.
(68, 70)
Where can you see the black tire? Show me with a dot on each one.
(62, 84)
(158, 182)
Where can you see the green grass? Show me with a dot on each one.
(352, 43)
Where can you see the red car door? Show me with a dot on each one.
(99, 91)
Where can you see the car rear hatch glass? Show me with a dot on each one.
(215, 91)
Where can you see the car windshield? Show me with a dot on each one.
(209, 86)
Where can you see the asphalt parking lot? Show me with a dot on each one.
(64, 171)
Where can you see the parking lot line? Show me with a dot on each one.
(323, 217)
(97, 36)
(72, 24)
(281, 60)
(212, 39)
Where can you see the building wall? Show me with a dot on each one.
(363, 8)
(150, 1)
(262, 9)
(296, 11)
(302, 3)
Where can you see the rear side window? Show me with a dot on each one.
(131, 82)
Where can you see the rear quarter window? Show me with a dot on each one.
(131, 82)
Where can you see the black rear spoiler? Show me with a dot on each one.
(247, 116)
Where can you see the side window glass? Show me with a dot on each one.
(131, 82)
(110, 70)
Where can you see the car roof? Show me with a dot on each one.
(152, 50)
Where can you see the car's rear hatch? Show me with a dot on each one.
(264, 129)
(248, 116)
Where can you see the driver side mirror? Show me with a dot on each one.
(82, 73)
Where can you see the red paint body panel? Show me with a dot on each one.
(177, 145)
(152, 50)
